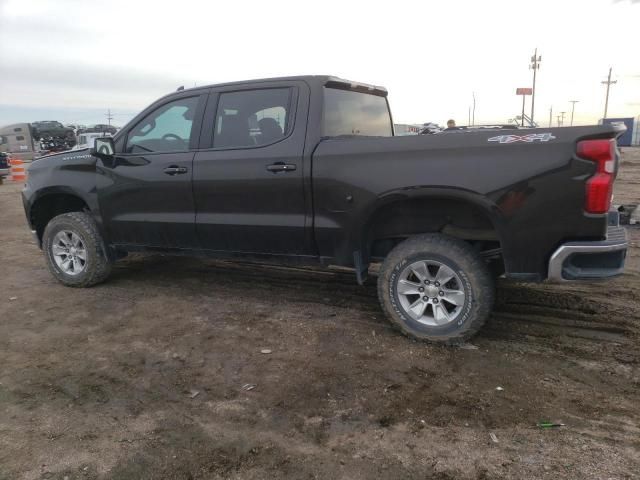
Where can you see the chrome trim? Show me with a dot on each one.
(562, 253)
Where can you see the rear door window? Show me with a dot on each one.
(252, 118)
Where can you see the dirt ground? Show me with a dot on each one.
(145, 377)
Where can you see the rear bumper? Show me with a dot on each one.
(590, 260)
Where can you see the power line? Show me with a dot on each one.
(608, 82)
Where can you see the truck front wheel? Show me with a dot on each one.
(436, 288)
(74, 250)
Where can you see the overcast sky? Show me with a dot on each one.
(70, 60)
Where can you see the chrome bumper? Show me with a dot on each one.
(590, 260)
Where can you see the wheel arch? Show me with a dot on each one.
(53, 201)
(456, 212)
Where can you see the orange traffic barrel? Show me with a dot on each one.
(18, 171)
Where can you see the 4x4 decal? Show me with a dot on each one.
(532, 137)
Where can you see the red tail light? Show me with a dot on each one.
(600, 186)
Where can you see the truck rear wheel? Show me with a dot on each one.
(74, 250)
(436, 288)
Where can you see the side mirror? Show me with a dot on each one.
(103, 147)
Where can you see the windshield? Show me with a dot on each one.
(354, 113)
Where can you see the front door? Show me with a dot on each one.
(145, 191)
(248, 179)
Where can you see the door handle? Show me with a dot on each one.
(175, 170)
(281, 167)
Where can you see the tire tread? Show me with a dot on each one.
(99, 269)
(462, 252)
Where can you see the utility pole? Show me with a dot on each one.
(551, 116)
(109, 116)
(535, 66)
(558, 119)
(473, 115)
(608, 82)
(573, 108)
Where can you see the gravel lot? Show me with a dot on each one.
(146, 375)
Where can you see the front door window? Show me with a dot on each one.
(166, 129)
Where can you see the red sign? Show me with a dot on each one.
(524, 91)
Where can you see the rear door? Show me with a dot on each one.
(145, 191)
(248, 175)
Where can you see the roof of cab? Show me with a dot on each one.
(310, 79)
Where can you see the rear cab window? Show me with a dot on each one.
(348, 112)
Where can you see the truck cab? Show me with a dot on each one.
(18, 140)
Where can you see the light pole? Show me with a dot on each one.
(535, 66)
(562, 119)
(607, 82)
(573, 108)
(550, 116)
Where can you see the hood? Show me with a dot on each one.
(67, 155)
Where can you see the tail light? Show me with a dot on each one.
(599, 187)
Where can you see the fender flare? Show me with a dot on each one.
(58, 190)
(89, 199)
(488, 207)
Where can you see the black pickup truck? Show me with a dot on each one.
(307, 170)
(49, 129)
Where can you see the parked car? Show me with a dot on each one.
(87, 140)
(77, 128)
(55, 144)
(51, 129)
(430, 128)
(100, 128)
(306, 170)
(5, 168)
